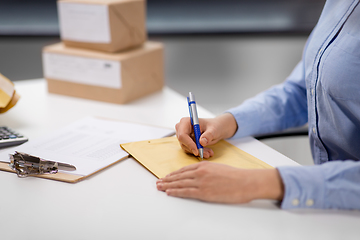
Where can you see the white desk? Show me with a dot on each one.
(122, 202)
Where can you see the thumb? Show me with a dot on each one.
(208, 137)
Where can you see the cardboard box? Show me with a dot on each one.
(110, 77)
(105, 25)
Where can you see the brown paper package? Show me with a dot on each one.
(142, 72)
(127, 19)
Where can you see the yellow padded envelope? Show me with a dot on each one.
(163, 156)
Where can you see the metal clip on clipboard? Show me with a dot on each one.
(26, 165)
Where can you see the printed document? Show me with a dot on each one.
(89, 144)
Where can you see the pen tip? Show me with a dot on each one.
(201, 153)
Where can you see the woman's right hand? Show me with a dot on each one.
(212, 130)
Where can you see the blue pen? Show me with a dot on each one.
(195, 122)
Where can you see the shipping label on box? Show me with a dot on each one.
(106, 25)
(84, 22)
(91, 71)
(110, 77)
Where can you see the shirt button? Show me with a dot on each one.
(309, 202)
(314, 130)
(320, 51)
(312, 92)
(295, 202)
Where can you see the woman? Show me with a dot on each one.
(324, 91)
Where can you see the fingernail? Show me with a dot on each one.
(193, 151)
(205, 140)
(159, 186)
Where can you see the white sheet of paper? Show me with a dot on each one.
(89, 144)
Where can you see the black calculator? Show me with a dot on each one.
(9, 137)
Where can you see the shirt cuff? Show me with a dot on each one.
(246, 120)
(304, 187)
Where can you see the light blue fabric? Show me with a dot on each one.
(324, 91)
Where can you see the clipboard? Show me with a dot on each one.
(90, 144)
(163, 156)
(60, 176)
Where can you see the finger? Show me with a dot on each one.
(208, 152)
(184, 126)
(209, 137)
(192, 135)
(184, 192)
(183, 134)
(195, 151)
(163, 186)
(184, 169)
(185, 148)
(189, 174)
(188, 145)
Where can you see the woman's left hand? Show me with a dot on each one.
(213, 182)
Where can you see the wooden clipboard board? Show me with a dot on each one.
(60, 176)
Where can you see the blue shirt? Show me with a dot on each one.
(324, 91)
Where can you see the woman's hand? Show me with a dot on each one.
(215, 182)
(213, 130)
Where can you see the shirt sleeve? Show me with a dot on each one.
(282, 106)
(334, 184)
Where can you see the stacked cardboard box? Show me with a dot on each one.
(104, 54)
